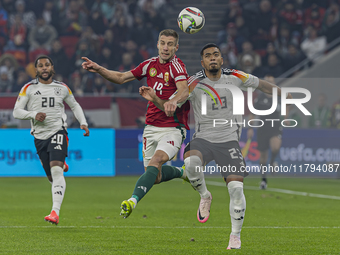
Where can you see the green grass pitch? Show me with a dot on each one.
(165, 221)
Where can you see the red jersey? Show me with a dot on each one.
(162, 78)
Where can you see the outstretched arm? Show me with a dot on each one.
(112, 76)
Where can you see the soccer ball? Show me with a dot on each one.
(190, 20)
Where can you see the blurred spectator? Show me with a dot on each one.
(292, 16)
(152, 17)
(313, 46)
(331, 27)
(76, 84)
(3, 22)
(18, 28)
(28, 17)
(140, 34)
(50, 13)
(11, 64)
(334, 120)
(247, 63)
(294, 57)
(108, 59)
(73, 19)
(233, 11)
(285, 38)
(5, 83)
(121, 11)
(61, 62)
(314, 16)
(127, 64)
(321, 114)
(247, 49)
(42, 35)
(83, 50)
(112, 44)
(99, 87)
(8, 5)
(269, 50)
(273, 68)
(132, 48)
(107, 8)
(261, 27)
(120, 30)
(22, 78)
(96, 22)
(229, 58)
(232, 38)
(241, 27)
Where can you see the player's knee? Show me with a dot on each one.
(56, 171)
(193, 164)
(158, 160)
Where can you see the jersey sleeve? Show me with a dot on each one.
(75, 107)
(247, 80)
(19, 111)
(141, 70)
(178, 70)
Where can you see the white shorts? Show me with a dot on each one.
(167, 139)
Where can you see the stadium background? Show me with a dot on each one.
(295, 41)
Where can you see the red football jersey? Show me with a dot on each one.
(162, 78)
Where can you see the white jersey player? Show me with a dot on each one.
(217, 142)
(41, 102)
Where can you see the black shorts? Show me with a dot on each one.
(265, 134)
(53, 148)
(228, 156)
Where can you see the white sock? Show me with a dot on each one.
(193, 168)
(133, 200)
(58, 187)
(237, 206)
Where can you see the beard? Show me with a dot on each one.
(214, 70)
(47, 78)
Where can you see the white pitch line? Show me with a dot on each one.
(285, 191)
(175, 227)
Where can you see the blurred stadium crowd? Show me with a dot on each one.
(258, 36)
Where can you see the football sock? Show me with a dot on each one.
(237, 206)
(58, 187)
(193, 168)
(145, 183)
(170, 172)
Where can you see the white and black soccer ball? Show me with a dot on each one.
(191, 20)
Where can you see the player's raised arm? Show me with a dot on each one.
(181, 96)
(112, 76)
(267, 87)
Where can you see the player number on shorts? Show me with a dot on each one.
(58, 139)
(233, 153)
(47, 100)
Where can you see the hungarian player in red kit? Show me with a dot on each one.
(165, 130)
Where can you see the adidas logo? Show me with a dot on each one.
(160, 76)
(142, 187)
(37, 93)
(58, 147)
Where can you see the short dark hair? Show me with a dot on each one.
(169, 32)
(42, 57)
(209, 45)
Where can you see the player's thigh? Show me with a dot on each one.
(150, 137)
(41, 147)
(229, 159)
(45, 161)
(201, 148)
(275, 142)
(57, 148)
(171, 141)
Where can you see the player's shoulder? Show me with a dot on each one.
(62, 85)
(149, 60)
(176, 59)
(27, 85)
(235, 72)
(200, 75)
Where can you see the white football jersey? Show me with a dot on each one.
(46, 98)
